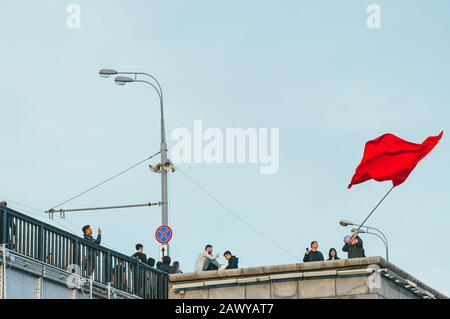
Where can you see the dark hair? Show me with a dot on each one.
(166, 260)
(227, 253)
(314, 241)
(208, 246)
(139, 246)
(329, 253)
(151, 262)
(85, 227)
(176, 264)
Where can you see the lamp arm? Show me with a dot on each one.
(160, 91)
(149, 83)
(154, 79)
(384, 242)
(382, 234)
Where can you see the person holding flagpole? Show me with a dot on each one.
(354, 246)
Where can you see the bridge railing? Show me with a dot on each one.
(35, 239)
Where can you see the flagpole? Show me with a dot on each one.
(384, 197)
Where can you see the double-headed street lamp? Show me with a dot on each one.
(367, 230)
(123, 78)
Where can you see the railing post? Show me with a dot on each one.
(108, 269)
(76, 253)
(4, 226)
(2, 231)
(165, 290)
(41, 243)
(109, 290)
(4, 272)
(137, 280)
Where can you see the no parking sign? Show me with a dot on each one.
(163, 234)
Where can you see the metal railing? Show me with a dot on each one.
(35, 239)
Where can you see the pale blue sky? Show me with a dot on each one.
(311, 68)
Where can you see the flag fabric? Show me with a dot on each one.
(390, 158)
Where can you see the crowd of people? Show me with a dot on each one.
(353, 246)
(207, 260)
(163, 265)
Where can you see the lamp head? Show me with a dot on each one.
(122, 80)
(106, 73)
(345, 223)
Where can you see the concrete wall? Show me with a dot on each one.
(24, 285)
(19, 285)
(356, 279)
(25, 278)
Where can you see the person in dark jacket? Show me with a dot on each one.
(91, 253)
(176, 267)
(232, 260)
(165, 265)
(332, 254)
(151, 262)
(354, 246)
(87, 234)
(139, 254)
(313, 254)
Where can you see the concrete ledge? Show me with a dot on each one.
(386, 264)
(248, 280)
(321, 273)
(286, 276)
(371, 277)
(264, 270)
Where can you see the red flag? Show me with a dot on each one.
(390, 158)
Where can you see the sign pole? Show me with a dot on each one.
(163, 235)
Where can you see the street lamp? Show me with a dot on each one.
(106, 73)
(345, 223)
(123, 78)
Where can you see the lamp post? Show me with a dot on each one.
(375, 234)
(123, 78)
(345, 223)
